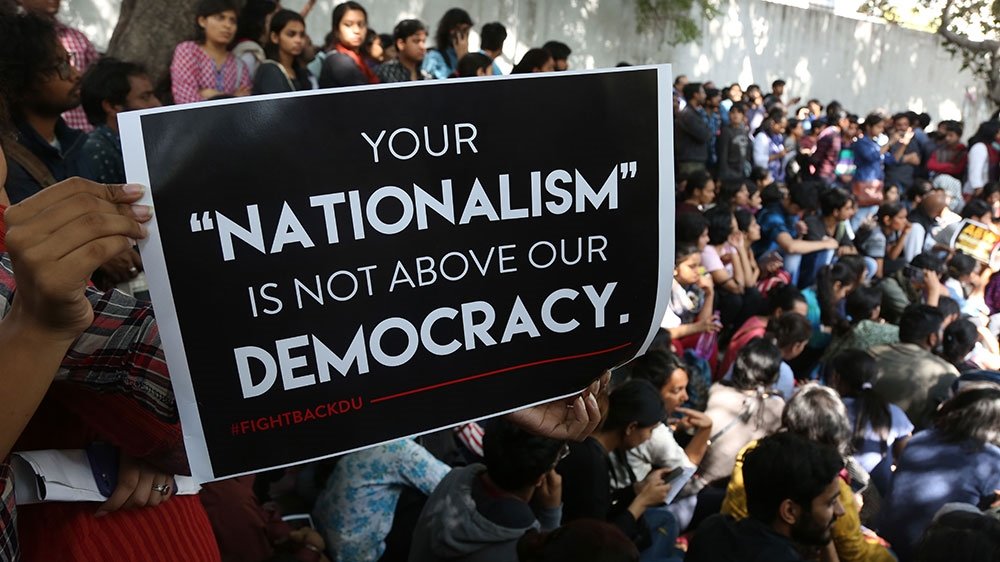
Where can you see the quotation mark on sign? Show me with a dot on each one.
(627, 169)
(204, 224)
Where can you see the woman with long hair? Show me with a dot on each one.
(698, 193)
(344, 64)
(205, 68)
(984, 158)
(284, 69)
(955, 461)
(879, 429)
(451, 43)
(833, 283)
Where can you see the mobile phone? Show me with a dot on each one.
(103, 459)
(674, 474)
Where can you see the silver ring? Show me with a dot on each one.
(133, 270)
(162, 488)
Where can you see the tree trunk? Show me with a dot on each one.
(148, 31)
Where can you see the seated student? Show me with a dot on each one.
(698, 193)
(355, 509)
(583, 540)
(690, 311)
(723, 256)
(749, 232)
(790, 333)
(779, 221)
(976, 210)
(961, 535)
(664, 371)
(284, 69)
(833, 284)
(479, 512)
(734, 193)
(925, 220)
(816, 413)
(474, 64)
(910, 376)
(962, 277)
(792, 497)
(867, 329)
(918, 282)
(957, 343)
(110, 87)
(535, 60)
(410, 39)
(885, 241)
(836, 207)
(956, 460)
(635, 409)
(741, 410)
(205, 68)
(344, 65)
(880, 429)
(780, 301)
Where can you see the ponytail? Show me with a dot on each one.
(829, 312)
(857, 371)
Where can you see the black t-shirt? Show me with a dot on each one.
(721, 539)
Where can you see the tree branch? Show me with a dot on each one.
(987, 46)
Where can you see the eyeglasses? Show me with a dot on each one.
(64, 67)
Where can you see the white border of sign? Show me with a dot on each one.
(134, 152)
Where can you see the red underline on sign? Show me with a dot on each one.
(499, 371)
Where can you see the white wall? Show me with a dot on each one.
(865, 65)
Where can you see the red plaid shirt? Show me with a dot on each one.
(118, 363)
(192, 71)
(82, 54)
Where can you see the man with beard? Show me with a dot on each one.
(793, 499)
(42, 86)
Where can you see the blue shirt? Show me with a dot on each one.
(440, 65)
(869, 160)
(773, 221)
(930, 473)
(103, 151)
(355, 510)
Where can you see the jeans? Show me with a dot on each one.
(664, 530)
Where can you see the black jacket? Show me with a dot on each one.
(64, 162)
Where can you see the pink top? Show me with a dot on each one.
(82, 54)
(192, 71)
(711, 259)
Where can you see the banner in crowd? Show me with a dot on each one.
(978, 241)
(335, 269)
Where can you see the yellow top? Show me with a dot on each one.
(850, 542)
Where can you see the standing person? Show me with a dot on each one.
(868, 183)
(205, 68)
(713, 97)
(344, 65)
(734, 145)
(560, 54)
(284, 70)
(692, 132)
(491, 43)
(252, 32)
(410, 39)
(906, 158)
(451, 43)
(81, 51)
(984, 158)
(769, 147)
(679, 82)
(777, 93)
(828, 144)
(950, 156)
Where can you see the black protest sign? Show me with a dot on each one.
(337, 269)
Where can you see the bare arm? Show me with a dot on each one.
(795, 246)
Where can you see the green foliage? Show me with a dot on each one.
(676, 19)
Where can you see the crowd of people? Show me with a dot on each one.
(824, 385)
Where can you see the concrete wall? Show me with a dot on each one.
(865, 65)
